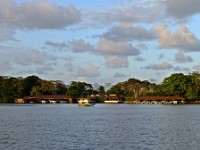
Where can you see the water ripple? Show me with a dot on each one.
(102, 127)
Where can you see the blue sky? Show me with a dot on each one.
(99, 41)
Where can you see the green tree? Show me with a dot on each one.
(193, 88)
(101, 89)
(79, 89)
(116, 89)
(9, 89)
(29, 83)
(44, 87)
(61, 88)
(133, 87)
(35, 91)
(175, 85)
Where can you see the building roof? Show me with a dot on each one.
(160, 98)
(48, 97)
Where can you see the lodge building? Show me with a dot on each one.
(46, 99)
(113, 99)
(160, 100)
(109, 99)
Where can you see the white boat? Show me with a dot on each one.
(85, 102)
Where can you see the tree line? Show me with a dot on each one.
(177, 84)
(12, 88)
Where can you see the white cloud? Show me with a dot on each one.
(104, 47)
(6, 33)
(37, 15)
(181, 58)
(80, 46)
(88, 71)
(141, 46)
(182, 8)
(128, 12)
(5, 66)
(26, 58)
(107, 47)
(119, 75)
(127, 32)
(161, 56)
(69, 66)
(185, 69)
(183, 39)
(139, 58)
(44, 69)
(33, 57)
(23, 59)
(116, 62)
(115, 53)
(197, 67)
(161, 66)
(56, 45)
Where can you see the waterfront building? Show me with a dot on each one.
(160, 100)
(46, 99)
(113, 99)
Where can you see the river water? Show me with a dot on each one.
(102, 127)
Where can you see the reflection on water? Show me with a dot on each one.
(102, 127)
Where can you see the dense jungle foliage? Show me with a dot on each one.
(177, 84)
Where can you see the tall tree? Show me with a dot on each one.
(101, 89)
(29, 83)
(193, 88)
(79, 89)
(116, 89)
(176, 84)
(10, 89)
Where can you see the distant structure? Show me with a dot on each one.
(160, 100)
(113, 99)
(108, 99)
(45, 99)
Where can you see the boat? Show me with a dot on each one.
(85, 102)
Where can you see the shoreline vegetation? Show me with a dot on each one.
(178, 88)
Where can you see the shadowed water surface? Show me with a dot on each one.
(102, 127)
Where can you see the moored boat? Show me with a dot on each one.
(85, 102)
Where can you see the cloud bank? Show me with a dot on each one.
(37, 15)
